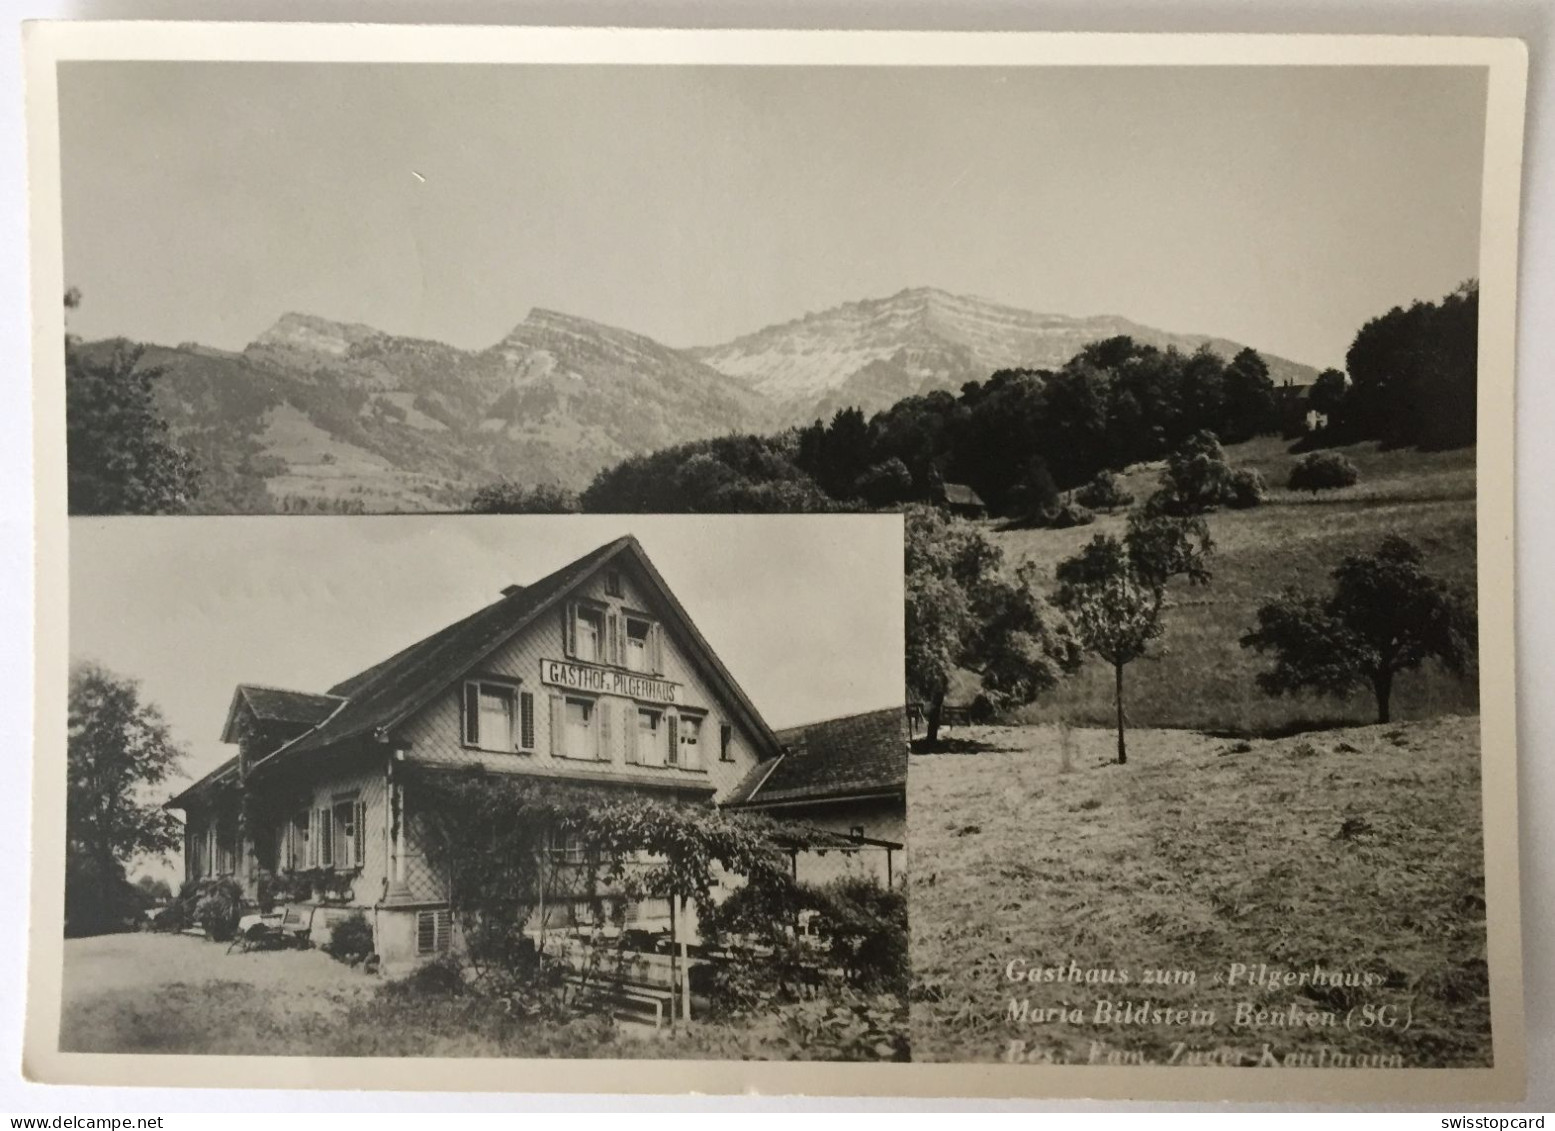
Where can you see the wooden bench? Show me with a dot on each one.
(654, 998)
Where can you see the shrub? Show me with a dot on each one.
(219, 908)
(865, 928)
(1071, 514)
(1104, 493)
(1323, 471)
(351, 939)
(442, 977)
(981, 710)
(851, 1029)
(1245, 490)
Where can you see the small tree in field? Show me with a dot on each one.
(1115, 591)
(966, 611)
(1386, 615)
(1197, 478)
(1104, 493)
(1323, 471)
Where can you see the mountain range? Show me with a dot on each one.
(315, 414)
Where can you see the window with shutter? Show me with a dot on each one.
(588, 635)
(674, 739)
(650, 751)
(582, 737)
(526, 723)
(636, 645)
(690, 742)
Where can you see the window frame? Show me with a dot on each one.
(660, 749)
(520, 702)
(595, 618)
(695, 721)
(644, 666)
(589, 729)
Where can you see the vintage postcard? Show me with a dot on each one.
(879, 563)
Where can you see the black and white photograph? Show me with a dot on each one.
(965, 550)
(461, 787)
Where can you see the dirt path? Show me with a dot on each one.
(153, 992)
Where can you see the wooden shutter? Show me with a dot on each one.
(633, 733)
(570, 628)
(472, 714)
(359, 840)
(558, 727)
(326, 838)
(313, 838)
(614, 652)
(526, 720)
(602, 748)
(672, 724)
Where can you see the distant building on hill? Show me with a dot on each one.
(959, 499)
(1294, 410)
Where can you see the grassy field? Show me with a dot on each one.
(1357, 850)
(1201, 677)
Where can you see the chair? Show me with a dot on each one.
(292, 926)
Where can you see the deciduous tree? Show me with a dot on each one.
(1385, 615)
(967, 611)
(117, 746)
(1115, 591)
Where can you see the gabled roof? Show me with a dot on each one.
(854, 756)
(277, 705)
(375, 700)
(961, 495)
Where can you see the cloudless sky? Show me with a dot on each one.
(1280, 207)
(805, 611)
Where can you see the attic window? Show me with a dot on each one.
(613, 583)
(638, 634)
(589, 635)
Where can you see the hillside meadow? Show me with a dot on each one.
(1356, 849)
(1200, 677)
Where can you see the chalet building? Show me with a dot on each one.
(848, 776)
(959, 499)
(593, 675)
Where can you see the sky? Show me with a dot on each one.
(805, 611)
(1279, 207)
